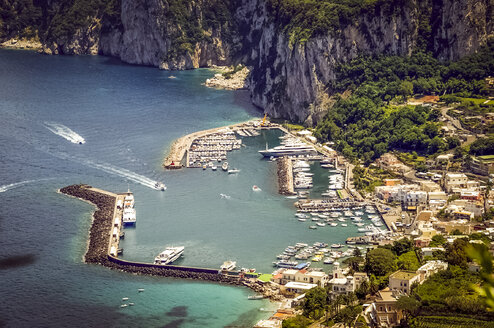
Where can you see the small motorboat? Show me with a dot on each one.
(233, 171)
(140, 290)
(125, 299)
(214, 167)
(160, 186)
(224, 166)
(256, 188)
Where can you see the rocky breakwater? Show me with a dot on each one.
(99, 233)
(285, 176)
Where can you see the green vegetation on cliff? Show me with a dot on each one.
(193, 24)
(56, 20)
(366, 124)
(303, 19)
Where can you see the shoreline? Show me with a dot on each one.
(99, 237)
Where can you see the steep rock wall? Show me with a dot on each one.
(148, 36)
(293, 81)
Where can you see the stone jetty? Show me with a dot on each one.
(285, 176)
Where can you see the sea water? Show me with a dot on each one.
(127, 116)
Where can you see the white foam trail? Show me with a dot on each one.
(129, 175)
(7, 187)
(64, 132)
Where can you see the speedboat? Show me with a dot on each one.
(321, 224)
(233, 171)
(160, 186)
(256, 188)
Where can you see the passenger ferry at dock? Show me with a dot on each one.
(129, 212)
(169, 255)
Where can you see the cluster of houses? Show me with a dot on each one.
(382, 312)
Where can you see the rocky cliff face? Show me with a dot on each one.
(149, 36)
(293, 81)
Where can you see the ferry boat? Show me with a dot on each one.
(228, 265)
(224, 166)
(129, 212)
(169, 255)
(289, 150)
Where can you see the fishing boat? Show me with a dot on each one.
(312, 227)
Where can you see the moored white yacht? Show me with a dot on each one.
(169, 255)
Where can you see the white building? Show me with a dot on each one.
(431, 267)
(413, 198)
(342, 284)
(455, 181)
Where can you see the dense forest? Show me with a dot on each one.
(372, 121)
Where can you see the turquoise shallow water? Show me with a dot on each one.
(128, 116)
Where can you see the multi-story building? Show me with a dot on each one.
(455, 180)
(402, 281)
(483, 165)
(342, 284)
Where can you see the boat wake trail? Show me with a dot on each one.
(64, 132)
(124, 173)
(8, 187)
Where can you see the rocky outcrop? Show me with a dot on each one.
(229, 79)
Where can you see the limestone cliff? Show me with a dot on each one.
(153, 33)
(293, 81)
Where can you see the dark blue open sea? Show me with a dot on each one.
(129, 116)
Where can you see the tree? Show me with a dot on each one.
(437, 240)
(380, 261)
(409, 305)
(406, 90)
(315, 303)
(296, 322)
(357, 252)
(456, 253)
(401, 246)
(408, 261)
(353, 263)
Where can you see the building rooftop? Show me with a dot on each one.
(403, 275)
(300, 285)
(290, 271)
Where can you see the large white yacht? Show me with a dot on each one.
(289, 149)
(169, 255)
